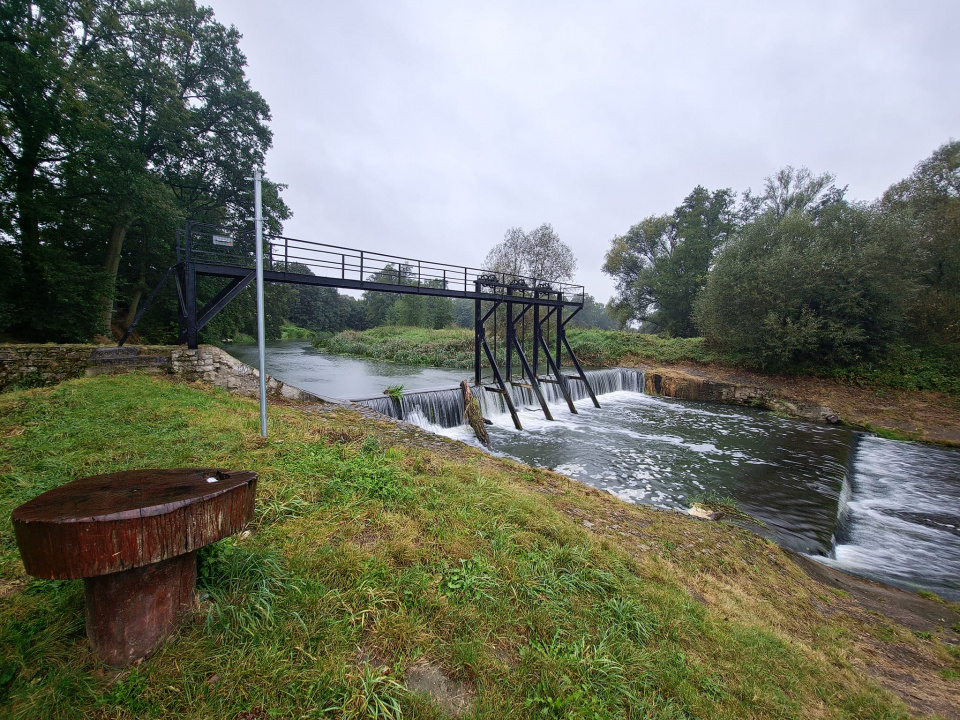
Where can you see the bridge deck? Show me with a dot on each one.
(213, 252)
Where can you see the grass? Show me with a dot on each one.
(370, 553)
(292, 332)
(934, 368)
(408, 345)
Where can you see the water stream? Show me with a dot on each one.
(882, 509)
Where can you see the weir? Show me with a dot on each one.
(516, 301)
(444, 407)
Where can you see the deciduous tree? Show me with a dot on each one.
(539, 254)
(661, 264)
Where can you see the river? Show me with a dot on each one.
(882, 509)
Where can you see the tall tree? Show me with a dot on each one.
(819, 285)
(117, 116)
(930, 200)
(539, 254)
(661, 264)
(180, 121)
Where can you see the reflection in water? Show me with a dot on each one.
(898, 503)
(298, 363)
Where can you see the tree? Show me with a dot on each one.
(821, 285)
(792, 190)
(46, 64)
(117, 117)
(593, 315)
(661, 264)
(539, 254)
(930, 200)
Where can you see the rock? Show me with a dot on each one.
(704, 513)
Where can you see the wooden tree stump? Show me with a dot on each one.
(474, 415)
(133, 537)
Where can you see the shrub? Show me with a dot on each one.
(806, 289)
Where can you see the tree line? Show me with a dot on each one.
(119, 119)
(799, 275)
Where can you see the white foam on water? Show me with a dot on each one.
(901, 516)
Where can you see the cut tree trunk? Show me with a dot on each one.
(474, 415)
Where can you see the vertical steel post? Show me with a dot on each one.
(261, 333)
(477, 335)
(559, 331)
(190, 292)
(536, 333)
(508, 340)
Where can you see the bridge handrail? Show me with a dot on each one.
(365, 264)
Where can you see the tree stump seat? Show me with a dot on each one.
(133, 537)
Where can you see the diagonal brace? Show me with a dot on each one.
(233, 288)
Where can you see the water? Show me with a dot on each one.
(879, 508)
(901, 522)
(298, 363)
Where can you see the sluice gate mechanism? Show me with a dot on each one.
(514, 355)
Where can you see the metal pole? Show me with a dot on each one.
(261, 332)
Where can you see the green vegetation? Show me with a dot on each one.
(934, 367)
(813, 286)
(292, 332)
(408, 345)
(372, 555)
(799, 277)
(120, 119)
(394, 391)
(454, 347)
(662, 263)
(602, 347)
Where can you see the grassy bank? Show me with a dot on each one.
(909, 368)
(454, 347)
(382, 556)
(409, 345)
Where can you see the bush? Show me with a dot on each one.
(805, 289)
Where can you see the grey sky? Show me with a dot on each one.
(429, 128)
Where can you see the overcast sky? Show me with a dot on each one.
(428, 129)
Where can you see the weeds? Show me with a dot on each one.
(468, 582)
(394, 392)
(372, 693)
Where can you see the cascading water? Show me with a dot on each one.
(880, 508)
(901, 522)
(444, 408)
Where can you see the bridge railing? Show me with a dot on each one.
(213, 245)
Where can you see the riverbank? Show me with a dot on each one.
(907, 398)
(894, 413)
(391, 565)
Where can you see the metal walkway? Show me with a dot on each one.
(207, 250)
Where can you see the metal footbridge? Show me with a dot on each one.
(517, 302)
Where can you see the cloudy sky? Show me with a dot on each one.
(428, 128)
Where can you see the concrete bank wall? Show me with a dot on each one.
(23, 366)
(677, 384)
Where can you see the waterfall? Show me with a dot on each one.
(445, 407)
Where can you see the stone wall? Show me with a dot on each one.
(676, 384)
(212, 365)
(37, 365)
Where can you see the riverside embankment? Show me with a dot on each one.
(382, 555)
